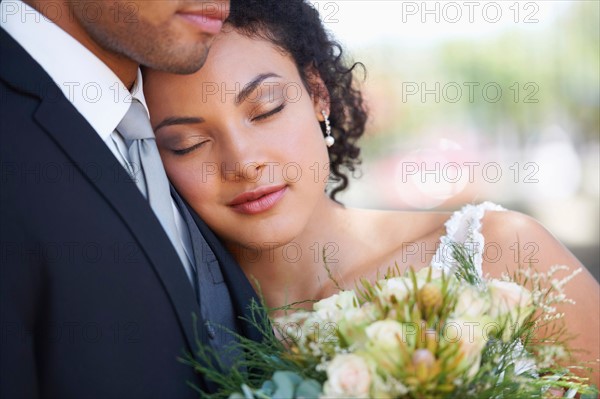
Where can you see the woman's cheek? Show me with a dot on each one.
(188, 178)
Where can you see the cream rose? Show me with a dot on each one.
(385, 333)
(510, 299)
(332, 308)
(348, 376)
(351, 326)
(384, 340)
(471, 303)
(436, 274)
(398, 287)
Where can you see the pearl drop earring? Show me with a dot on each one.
(329, 140)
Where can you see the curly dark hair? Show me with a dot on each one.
(295, 27)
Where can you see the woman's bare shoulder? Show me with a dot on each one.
(403, 238)
(511, 225)
(407, 225)
(514, 239)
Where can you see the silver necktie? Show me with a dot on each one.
(148, 172)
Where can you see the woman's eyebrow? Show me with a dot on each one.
(252, 85)
(241, 96)
(178, 120)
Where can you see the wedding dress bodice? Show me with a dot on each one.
(464, 227)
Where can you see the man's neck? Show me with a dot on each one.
(123, 67)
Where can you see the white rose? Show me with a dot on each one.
(361, 316)
(436, 274)
(332, 308)
(385, 333)
(384, 340)
(352, 325)
(348, 376)
(471, 303)
(396, 286)
(510, 299)
(292, 317)
(290, 326)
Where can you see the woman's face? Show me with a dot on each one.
(241, 141)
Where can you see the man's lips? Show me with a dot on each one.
(258, 200)
(208, 17)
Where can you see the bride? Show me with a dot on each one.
(246, 139)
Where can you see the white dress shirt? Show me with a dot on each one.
(89, 84)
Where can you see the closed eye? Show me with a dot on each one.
(268, 114)
(187, 150)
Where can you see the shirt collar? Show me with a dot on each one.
(89, 84)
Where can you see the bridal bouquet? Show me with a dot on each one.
(429, 334)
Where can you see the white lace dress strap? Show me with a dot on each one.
(464, 227)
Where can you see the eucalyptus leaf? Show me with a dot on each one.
(308, 389)
(285, 382)
(268, 387)
(294, 378)
(248, 394)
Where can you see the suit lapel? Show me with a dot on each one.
(89, 154)
(225, 269)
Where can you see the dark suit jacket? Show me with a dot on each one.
(94, 301)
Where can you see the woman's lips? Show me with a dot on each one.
(260, 200)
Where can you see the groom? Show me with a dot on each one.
(101, 270)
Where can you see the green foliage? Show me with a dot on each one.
(283, 384)
(259, 362)
(284, 366)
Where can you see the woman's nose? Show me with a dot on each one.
(242, 159)
(242, 171)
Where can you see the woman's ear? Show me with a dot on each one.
(319, 93)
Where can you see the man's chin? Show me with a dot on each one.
(179, 64)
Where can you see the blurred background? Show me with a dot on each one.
(480, 100)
